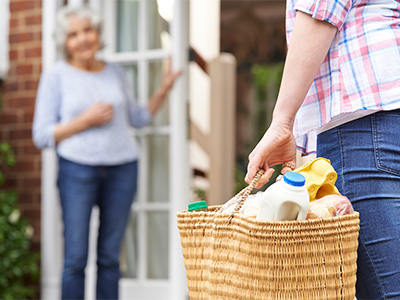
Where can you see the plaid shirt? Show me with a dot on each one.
(362, 68)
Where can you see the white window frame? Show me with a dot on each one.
(4, 33)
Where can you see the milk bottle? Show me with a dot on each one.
(286, 199)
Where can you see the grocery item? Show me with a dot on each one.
(198, 206)
(286, 199)
(249, 208)
(320, 178)
(330, 206)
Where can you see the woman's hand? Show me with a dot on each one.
(277, 146)
(309, 45)
(98, 114)
(158, 98)
(169, 77)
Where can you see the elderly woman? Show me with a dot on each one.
(85, 109)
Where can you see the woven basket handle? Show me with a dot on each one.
(243, 194)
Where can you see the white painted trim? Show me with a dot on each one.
(51, 235)
(4, 33)
(148, 290)
(161, 130)
(133, 57)
(110, 17)
(143, 93)
(51, 240)
(151, 206)
(179, 147)
(75, 2)
(97, 5)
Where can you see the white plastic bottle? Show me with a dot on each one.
(286, 199)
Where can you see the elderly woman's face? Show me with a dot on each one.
(82, 41)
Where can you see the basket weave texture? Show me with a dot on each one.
(243, 258)
(250, 259)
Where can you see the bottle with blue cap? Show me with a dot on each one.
(286, 199)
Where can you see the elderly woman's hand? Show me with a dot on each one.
(277, 146)
(169, 77)
(158, 98)
(98, 114)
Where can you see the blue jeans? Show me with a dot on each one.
(81, 187)
(366, 155)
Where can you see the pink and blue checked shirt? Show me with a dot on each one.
(361, 73)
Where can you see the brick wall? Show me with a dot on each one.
(16, 114)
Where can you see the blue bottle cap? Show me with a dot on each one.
(294, 179)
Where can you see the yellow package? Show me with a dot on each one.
(320, 178)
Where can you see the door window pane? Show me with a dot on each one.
(157, 260)
(159, 11)
(158, 154)
(131, 72)
(128, 25)
(155, 78)
(129, 253)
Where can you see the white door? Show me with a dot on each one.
(141, 35)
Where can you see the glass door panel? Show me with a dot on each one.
(129, 254)
(159, 11)
(157, 262)
(131, 72)
(127, 25)
(155, 77)
(158, 165)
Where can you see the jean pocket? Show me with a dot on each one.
(386, 134)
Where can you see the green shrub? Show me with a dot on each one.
(18, 265)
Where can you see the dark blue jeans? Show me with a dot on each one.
(81, 187)
(366, 155)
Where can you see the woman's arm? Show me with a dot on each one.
(158, 98)
(309, 45)
(96, 115)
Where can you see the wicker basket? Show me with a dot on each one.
(235, 257)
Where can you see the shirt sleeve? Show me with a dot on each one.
(139, 116)
(332, 11)
(46, 114)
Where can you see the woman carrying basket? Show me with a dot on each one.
(340, 98)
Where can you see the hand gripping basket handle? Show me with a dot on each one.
(243, 194)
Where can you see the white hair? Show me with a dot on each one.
(62, 25)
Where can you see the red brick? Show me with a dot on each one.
(8, 118)
(14, 22)
(38, 3)
(31, 149)
(13, 54)
(19, 102)
(10, 182)
(28, 116)
(18, 134)
(31, 85)
(33, 20)
(25, 165)
(31, 182)
(10, 86)
(22, 5)
(24, 70)
(33, 52)
(3, 135)
(21, 37)
(25, 198)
